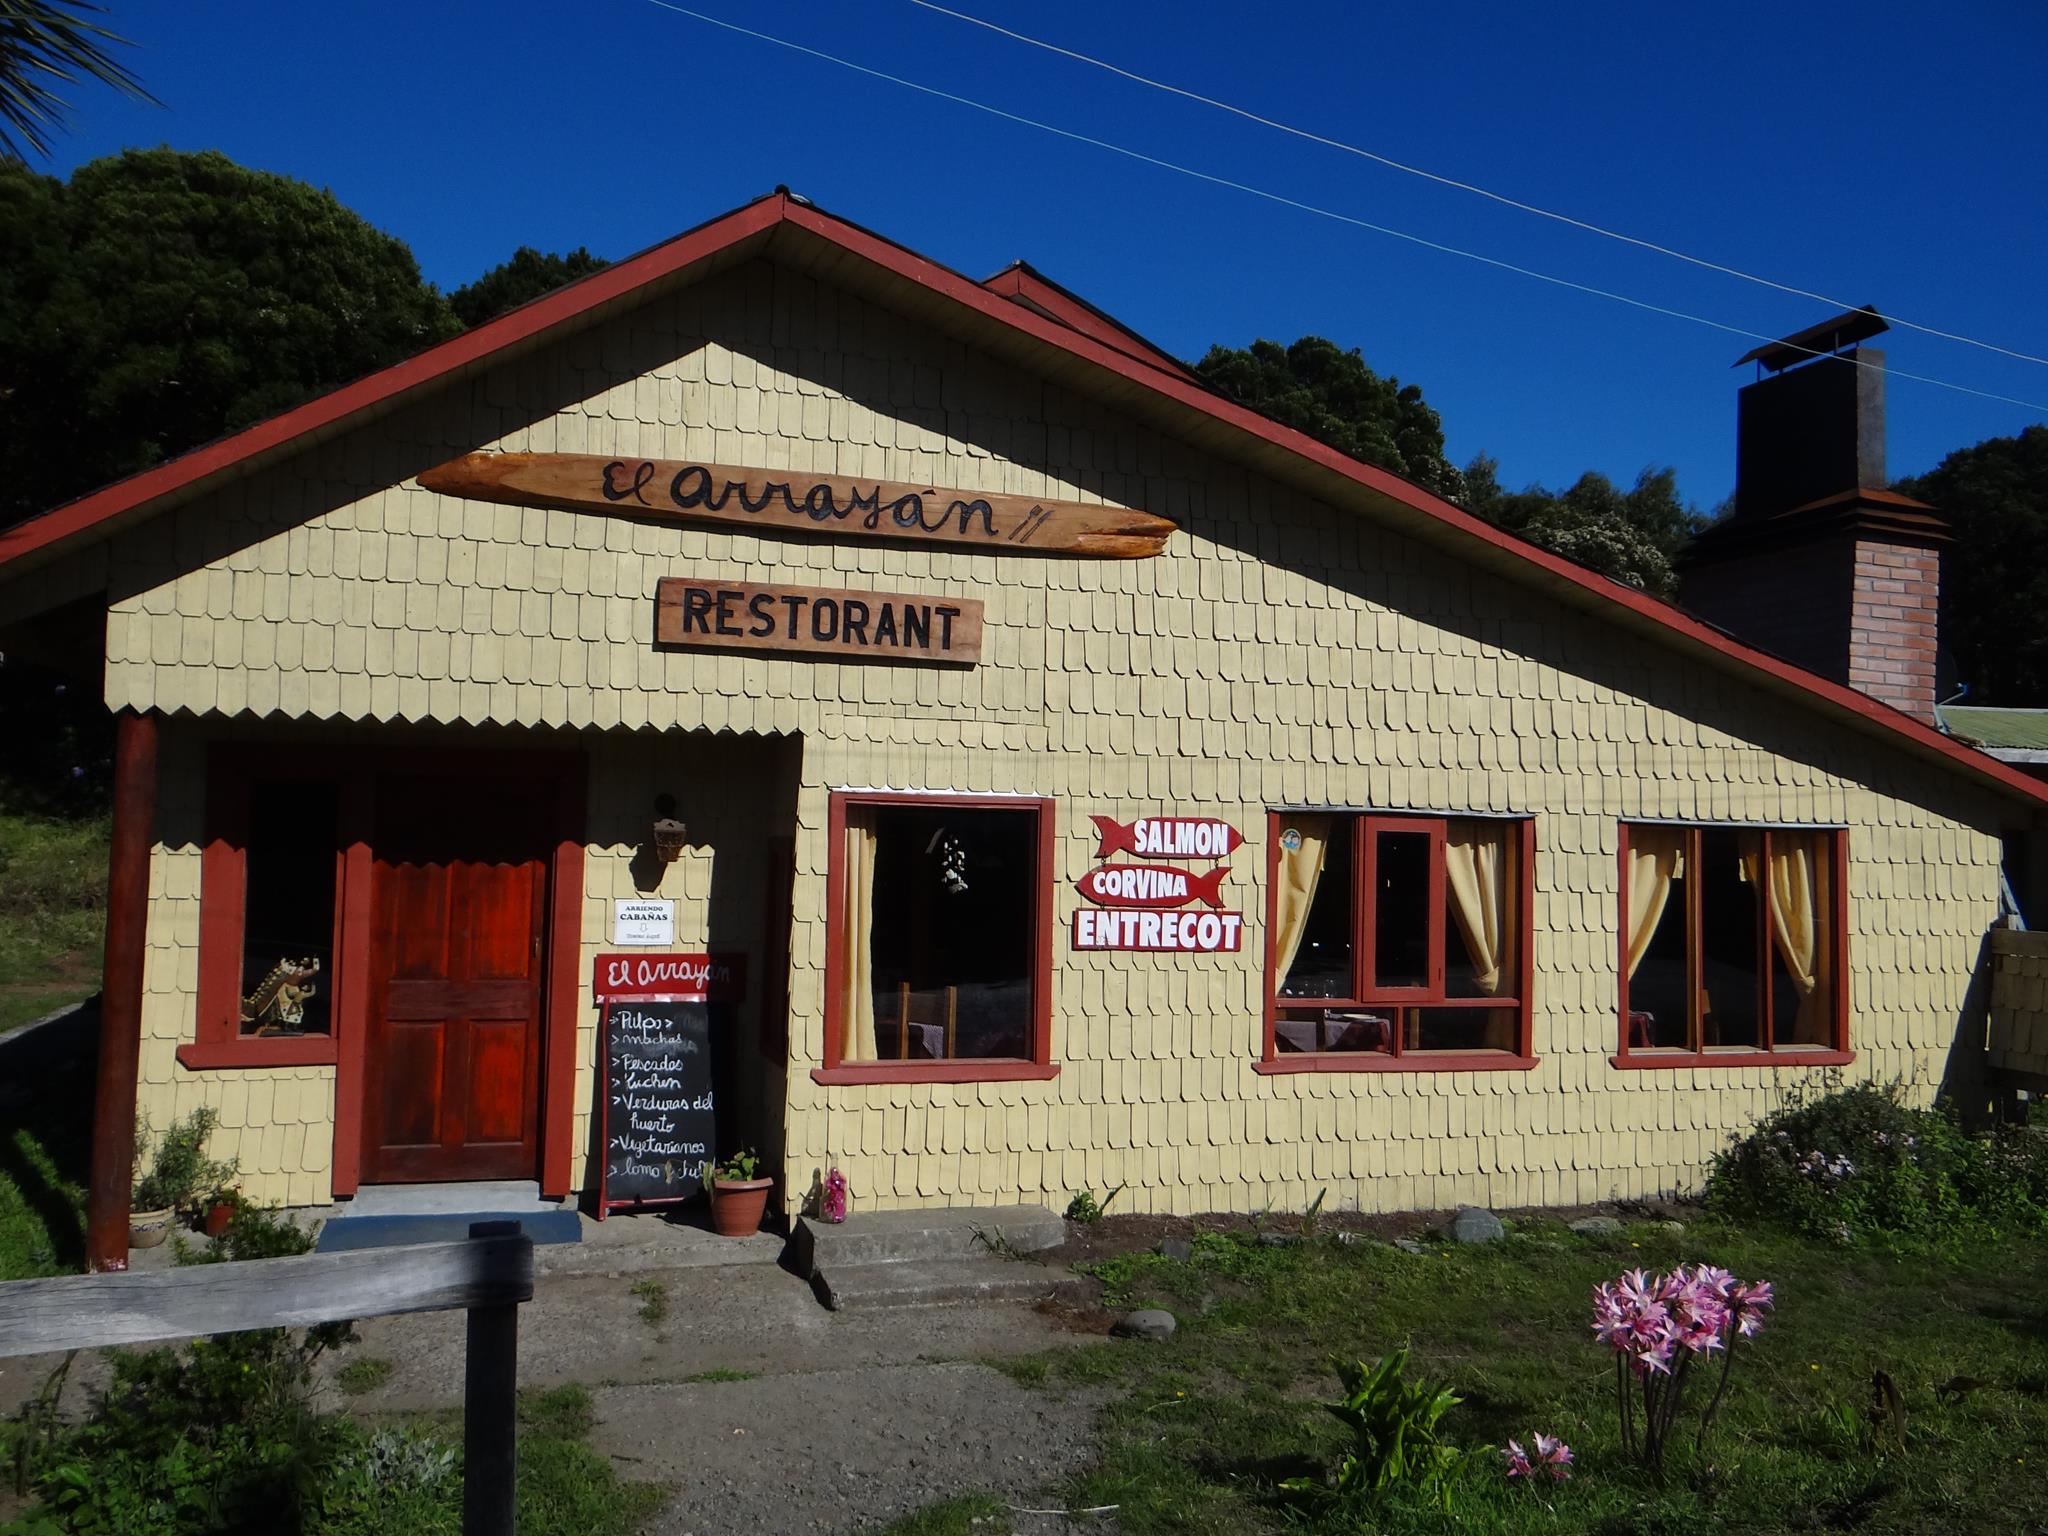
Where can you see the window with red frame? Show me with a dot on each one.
(1731, 943)
(940, 938)
(1398, 940)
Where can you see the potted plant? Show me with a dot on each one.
(180, 1176)
(738, 1198)
(221, 1206)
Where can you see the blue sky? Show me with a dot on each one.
(1879, 152)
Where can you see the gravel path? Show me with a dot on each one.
(843, 1450)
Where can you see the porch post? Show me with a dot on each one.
(113, 1121)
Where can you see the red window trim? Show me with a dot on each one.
(218, 1042)
(1836, 1053)
(1040, 1067)
(1272, 1063)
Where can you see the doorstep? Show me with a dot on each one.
(638, 1244)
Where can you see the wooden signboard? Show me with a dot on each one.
(779, 502)
(657, 1111)
(869, 626)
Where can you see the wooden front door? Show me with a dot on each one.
(459, 900)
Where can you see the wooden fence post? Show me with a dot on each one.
(490, 1410)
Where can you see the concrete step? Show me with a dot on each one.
(934, 1282)
(957, 1232)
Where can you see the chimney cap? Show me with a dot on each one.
(1845, 330)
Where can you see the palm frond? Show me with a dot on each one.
(45, 46)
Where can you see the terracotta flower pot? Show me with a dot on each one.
(146, 1229)
(737, 1205)
(218, 1215)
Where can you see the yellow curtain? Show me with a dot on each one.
(1792, 894)
(857, 928)
(1300, 870)
(1476, 878)
(1656, 857)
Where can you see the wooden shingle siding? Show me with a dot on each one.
(1279, 653)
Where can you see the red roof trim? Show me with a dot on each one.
(375, 389)
(1026, 285)
(721, 233)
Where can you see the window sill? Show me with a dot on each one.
(1447, 1061)
(297, 1051)
(1645, 1061)
(855, 1073)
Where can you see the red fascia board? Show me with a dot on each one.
(1394, 488)
(1022, 284)
(385, 386)
(729, 229)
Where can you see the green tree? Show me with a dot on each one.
(45, 46)
(1632, 536)
(527, 276)
(161, 299)
(1994, 578)
(1316, 387)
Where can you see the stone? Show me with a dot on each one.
(1147, 1323)
(1474, 1224)
(1280, 1239)
(1675, 1228)
(1596, 1226)
(1176, 1248)
(1354, 1239)
(1409, 1245)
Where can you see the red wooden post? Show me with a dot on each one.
(113, 1121)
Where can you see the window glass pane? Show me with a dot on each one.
(288, 916)
(1730, 934)
(1654, 909)
(954, 929)
(1300, 1030)
(1461, 1029)
(1482, 890)
(1400, 909)
(1802, 934)
(1322, 960)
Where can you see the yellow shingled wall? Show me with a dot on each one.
(1279, 653)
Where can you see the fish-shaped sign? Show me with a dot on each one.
(1151, 886)
(774, 502)
(1167, 837)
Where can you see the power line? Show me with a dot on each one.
(1306, 207)
(1451, 181)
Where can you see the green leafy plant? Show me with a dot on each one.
(365, 1374)
(1311, 1218)
(653, 1300)
(1086, 1209)
(743, 1165)
(1860, 1164)
(1396, 1445)
(253, 1232)
(180, 1174)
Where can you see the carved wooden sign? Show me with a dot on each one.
(870, 626)
(777, 502)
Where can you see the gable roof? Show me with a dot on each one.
(1042, 326)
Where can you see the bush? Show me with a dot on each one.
(1860, 1164)
(180, 1173)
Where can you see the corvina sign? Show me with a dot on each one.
(776, 501)
(1137, 893)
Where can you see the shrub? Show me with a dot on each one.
(1859, 1163)
(180, 1173)
(1395, 1444)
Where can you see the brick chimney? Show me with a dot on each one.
(1819, 563)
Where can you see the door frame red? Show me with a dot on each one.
(559, 1020)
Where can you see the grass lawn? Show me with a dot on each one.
(1205, 1426)
(53, 880)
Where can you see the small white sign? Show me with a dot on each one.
(644, 922)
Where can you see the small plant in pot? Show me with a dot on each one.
(180, 1176)
(221, 1206)
(738, 1196)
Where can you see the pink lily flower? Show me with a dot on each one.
(1553, 1453)
(1517, 1460)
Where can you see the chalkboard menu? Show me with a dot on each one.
(659, 1113)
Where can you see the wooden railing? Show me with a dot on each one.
(2017, 1037)
(488, 1277)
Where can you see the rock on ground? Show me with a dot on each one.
(1146, 1323)
(1474, 1225)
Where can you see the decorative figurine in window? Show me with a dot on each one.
(952, 862)
(278, 1005)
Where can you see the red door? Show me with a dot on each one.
(458, 922)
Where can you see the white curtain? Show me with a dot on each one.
(857, 930)
(1476, 878)
(1300, 870)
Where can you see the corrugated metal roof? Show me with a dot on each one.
(1991, 728)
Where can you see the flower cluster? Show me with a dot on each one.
(1829, 1170)
(1650, 1319)
(1551, 1453)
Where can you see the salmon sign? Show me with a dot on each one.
(1167, 837)
(779, 501)
(1151, 886)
